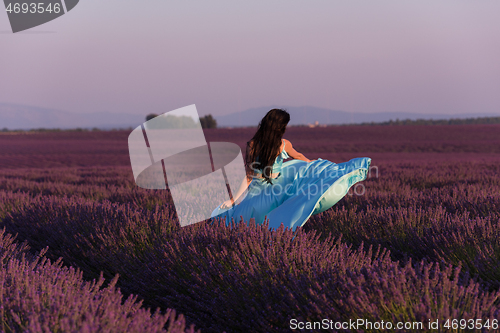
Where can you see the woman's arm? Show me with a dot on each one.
(243, 187)
(293, 153)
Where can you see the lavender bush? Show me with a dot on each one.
(443, 212)
(248, 278)
(421, 242)
(39, 296)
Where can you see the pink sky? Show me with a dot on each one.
(227, 56)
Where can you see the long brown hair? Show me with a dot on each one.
(265, 145)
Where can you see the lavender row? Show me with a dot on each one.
(99, 184)
(459, 187)
(244, 278)
(37, 295)
(74, 149)
(422, 233)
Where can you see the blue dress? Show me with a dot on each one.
(300, 190)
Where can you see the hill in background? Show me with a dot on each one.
(14, 116)
(22, 117)
(305, 115)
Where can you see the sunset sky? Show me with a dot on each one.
(227, 56)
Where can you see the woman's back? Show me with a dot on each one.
(278, 162)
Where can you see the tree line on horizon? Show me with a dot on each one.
(452, 121)
(207, 121)
(210, 122)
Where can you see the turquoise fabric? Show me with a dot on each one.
(302, 189)
(278, 162)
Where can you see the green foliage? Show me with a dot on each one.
(208, 122)
(171, 121)
(151, 116)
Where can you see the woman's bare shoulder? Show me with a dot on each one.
(290, 150)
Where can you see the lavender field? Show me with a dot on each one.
(418, 241)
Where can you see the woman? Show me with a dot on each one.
(289, 192)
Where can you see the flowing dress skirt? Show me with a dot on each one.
(302, 189)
